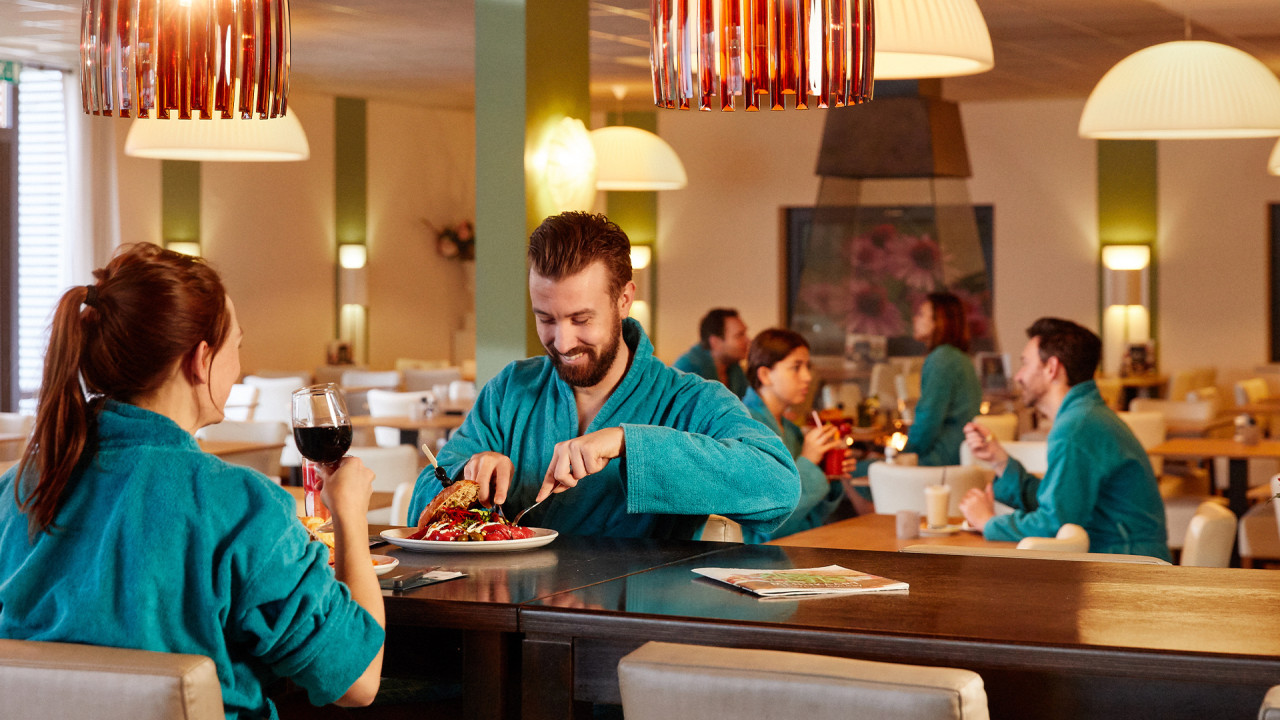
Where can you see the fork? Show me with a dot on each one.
(522, 512)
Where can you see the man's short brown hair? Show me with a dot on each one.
(566, 244)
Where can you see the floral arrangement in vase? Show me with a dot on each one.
(456, 242)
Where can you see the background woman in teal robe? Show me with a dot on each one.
(779, 372)
(950, 394)
(117, 530)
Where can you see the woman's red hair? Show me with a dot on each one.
(147, 312)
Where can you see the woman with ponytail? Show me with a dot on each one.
(115, 529)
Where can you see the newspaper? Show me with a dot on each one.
(802, 582)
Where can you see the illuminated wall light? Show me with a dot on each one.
(641, 256)
(352, 256)
(1126, 257)
(565, 164)
(186, 247)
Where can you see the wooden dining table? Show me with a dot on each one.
(879, 532)
(1238, 454)
(541, 630)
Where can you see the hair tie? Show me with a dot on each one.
(91, 296)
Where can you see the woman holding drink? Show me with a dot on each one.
(950, 394)
(115, 529)
(779, 374)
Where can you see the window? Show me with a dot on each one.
(44, 236)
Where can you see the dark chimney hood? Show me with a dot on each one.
(894, 137)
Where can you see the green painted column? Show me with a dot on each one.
(180, 201)
(351, 216)
(532, 68)
(1128, 210)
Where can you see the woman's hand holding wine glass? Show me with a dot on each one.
(322, 430)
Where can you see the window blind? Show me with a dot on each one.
(43, 194)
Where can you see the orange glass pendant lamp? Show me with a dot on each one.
(172, 58)
(818, 52)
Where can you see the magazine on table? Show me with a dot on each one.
(801, 582)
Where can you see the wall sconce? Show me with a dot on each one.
(1126, 317)
(641, 255)
(352, 256)
(186, 247)
(642, 276)
(565, 164)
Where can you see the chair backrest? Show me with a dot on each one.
(391, 465)
(1181, 383)
(400, 500)
(266, 462)
(1004, 552)
(1177, 410)
(385, 379)
(18, 424)
(274, 396)
(1275, 499)
(1270, 705)
(1208, 393)
(901, 487)
(1033, 454)
(721, 529)
(1251, 390)
(1070, 538)
(907, 386)
(48, 680)
(1149, 427)
(242, 402)
(422, 379)
(389, 403)
(403, 364)
(882, 384)
(1210, 537)
(1204, 377)
(1111, 390)
(667, 681)
(1002, 426)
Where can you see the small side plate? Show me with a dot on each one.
(383, 564)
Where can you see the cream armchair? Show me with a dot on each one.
(666, 681)
(52, 681)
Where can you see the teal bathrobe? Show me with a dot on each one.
(1099, 477)
(160, 546)
(818, 495)
(698, 361)
(950, 396)
(691, 449)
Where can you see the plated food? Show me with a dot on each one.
(454, 515)
(381, 563)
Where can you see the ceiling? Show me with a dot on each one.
(421, 51)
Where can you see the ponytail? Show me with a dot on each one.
(118, 338)
(63, 419)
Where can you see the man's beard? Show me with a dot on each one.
(597, 366)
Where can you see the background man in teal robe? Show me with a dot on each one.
(719, 354)
(1099, 477)
(628, 446)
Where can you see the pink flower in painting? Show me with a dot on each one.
(827, 299)
(918, 262)
(872, 312)
(866, 257)
(975, 313)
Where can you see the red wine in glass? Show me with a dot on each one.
(322, 430)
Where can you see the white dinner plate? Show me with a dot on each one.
(400, 537)
(383, 564)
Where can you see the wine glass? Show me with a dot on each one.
(322, 430)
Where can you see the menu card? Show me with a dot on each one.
(802, 582)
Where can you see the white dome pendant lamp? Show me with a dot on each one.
(1186, 89)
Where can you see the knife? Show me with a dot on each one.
(441, 475)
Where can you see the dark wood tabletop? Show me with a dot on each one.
(1090, 639)
(880, 532)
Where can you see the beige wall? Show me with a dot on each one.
(1041, 178)
(269, 229)
(1213, 254)
(718, 239)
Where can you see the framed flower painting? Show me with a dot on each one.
(860, 272)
